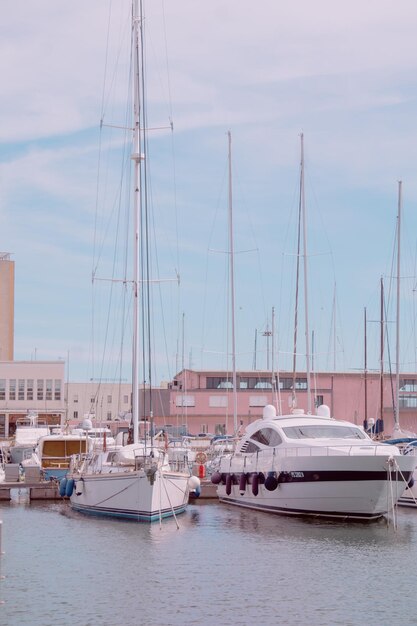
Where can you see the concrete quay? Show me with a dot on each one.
(43, 490)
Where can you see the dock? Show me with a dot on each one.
(40, 490)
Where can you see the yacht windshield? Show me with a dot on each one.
(323, 431)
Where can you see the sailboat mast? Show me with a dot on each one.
(365, 367)
(382, 353)
(136, 157)
(303, 208)
(232, 284)
(397, 376)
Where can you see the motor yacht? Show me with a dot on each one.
(312, 465)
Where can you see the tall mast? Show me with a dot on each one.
(397, 377)
(136, 157)
(303, 208)
(232, 285)
(365, 369)
(381, 390)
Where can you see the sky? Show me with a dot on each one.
(342, 74)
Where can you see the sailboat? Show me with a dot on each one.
(135, 481)
(405, 441)
(312, 464)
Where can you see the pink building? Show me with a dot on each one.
(202, 401)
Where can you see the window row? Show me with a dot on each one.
(95, 400)
(253, 382)
(30, 389)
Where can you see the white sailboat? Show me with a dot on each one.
(135, 481)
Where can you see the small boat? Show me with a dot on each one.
(53, 453)
(313, 465)
(29, 430)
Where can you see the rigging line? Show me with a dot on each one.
(162, 480)
(389, 360)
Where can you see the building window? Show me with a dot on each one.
(109, 400)
(2, 388)
(217, 382)
(2, 425)
(12, 389)
(301, 383)
(48, 392)
(258, 400)
(126, 399)
(204, 429)
(93, 400)
(29, 389)
(319, 401)
(217, 401)
(220, 429)
(185, 401)
(57, 390)
(259, 382)
(75, 415)
(408, 402)
(39, 394)
(109, 415)
(21, 389)
(408, 384)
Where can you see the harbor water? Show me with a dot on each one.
(223, 565)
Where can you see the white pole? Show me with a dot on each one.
(397, 377)
(136, 157)
(303, 207)
(232, 286)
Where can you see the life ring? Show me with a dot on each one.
(201, 458)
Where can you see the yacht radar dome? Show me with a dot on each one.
(87, 424)
(323, 411)
(269, 412)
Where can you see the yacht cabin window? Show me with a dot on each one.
(267, 436)
(322, 431)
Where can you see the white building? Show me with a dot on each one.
(31, 386)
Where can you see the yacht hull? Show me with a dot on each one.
(133, 495)
(361, 488)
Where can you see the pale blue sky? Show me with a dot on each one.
(344, 74)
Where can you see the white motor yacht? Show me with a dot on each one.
(314, 465)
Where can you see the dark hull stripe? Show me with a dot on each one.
(333, 476)
(301, 512)
(139, 516)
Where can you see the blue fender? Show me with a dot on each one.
(62, 487)
(69, 488)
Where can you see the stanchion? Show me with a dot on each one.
(1, 554)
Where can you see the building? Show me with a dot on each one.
(199, 401)
(31, 386)
(6, 307)
(203, 400)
